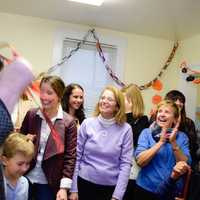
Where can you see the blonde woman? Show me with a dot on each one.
(104, 153)
(134, 108)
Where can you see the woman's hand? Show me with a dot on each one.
(179, 169)
(163, 135)
(73, 196)
(31, 137)
(128, 104)
(61, 194)
(172, 135)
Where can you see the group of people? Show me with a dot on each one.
(117, 154)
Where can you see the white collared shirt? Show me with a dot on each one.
(37, 175)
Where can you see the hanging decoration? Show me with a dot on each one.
(163, 69)
(158, 86)
(35, 86)
(156, 99)
(155, 83)
(191, 75)
(107, 66)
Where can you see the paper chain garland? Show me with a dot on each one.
(155, 83)
(192, 75)
(107, 66)
(166, 65)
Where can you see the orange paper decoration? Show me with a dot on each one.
(196, 81)
(156, 99)
(35, 86)
(157, 85)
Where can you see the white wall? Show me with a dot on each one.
(144, 56)
(190, 52)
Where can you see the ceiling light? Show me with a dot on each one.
(91, 2)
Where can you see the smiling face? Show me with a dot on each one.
(48, 97)
(16, 166)
(107, 104)
(179, 103)
(165, 116)
(75, 100)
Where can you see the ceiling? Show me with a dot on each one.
(169, 19)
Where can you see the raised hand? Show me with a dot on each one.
(128, 104)
(172, 135)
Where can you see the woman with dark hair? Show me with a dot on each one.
(186, 124)
(72, 102)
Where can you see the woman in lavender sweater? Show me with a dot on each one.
(104, 151)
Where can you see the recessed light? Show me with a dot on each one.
(90, 2)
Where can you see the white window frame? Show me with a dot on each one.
(119, 42)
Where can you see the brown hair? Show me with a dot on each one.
(79, 113)
(56, 83)
(175, 95)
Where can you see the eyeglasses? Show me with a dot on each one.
(109, 99)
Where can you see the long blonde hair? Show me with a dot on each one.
(120, 116)
(134, 94)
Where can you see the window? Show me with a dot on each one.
(86, 68)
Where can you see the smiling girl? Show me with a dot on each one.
(52, 167)
(73, 100)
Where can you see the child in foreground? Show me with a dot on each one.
(16, 156)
